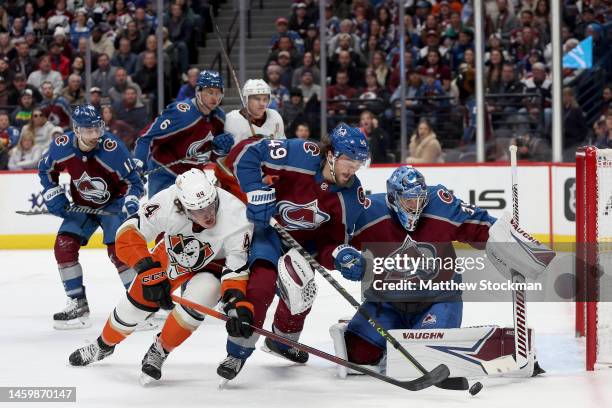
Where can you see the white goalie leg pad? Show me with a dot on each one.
(296, 282)
(509, 249)
(126, 317)
(336, 331)
(202, 289)
(470, 352)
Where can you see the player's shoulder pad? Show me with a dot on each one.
(179, 114)
(303, 154)
(62, 145)
(375, 209)
(111, 146)
(443, 204)
(160, 205)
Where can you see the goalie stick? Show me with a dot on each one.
(519, 296)
(438, 376)
(74, 209)
(414, 385)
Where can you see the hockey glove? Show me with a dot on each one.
(56, 201)
(349, 262)
(261, 206)
(155, 285)
(130, 205)
(222, 144)
(240, 312)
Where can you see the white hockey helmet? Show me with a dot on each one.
(255, 87)
(195, 191)
(296, 282)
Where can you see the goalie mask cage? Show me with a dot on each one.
(594, 253)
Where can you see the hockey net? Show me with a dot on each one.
(594, 253)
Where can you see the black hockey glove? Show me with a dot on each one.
(240, 312)
(155, 285)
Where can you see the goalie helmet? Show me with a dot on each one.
(296, 282)
(255, 87)
(194, 190)
(407, 195)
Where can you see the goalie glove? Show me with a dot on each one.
(510, 249)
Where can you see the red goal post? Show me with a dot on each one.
(594, 253)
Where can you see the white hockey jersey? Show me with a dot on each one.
(189, 247)
(237, 125)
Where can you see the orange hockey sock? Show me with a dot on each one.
(174, 332)
(111, 335)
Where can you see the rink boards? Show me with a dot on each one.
(546, 197)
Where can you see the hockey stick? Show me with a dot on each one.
(173, 163)
(231, 68)
(519, 296)
(74, 209)
(414, 385)
(438, 376)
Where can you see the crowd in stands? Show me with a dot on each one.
(364, 72)
(43, 47)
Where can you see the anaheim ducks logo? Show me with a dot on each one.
(301, 216)
(187, 254)
(196, 150)
(92, 189)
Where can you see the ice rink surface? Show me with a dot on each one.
(34, 354)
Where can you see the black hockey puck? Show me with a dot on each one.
(475, 388)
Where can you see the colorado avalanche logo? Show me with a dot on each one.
(301, 216)
(109, 145)
(61, 140)
(93, 189)
(196, 150)
(429, 320)
(445, 196)
(183, 107)
(187, 254)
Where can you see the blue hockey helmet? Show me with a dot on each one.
(209, 79)
(88, 126)
(407, 195)
(349, 141)
(86, 116)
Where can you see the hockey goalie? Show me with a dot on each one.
(425, 220)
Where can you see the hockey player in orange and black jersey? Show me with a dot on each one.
(202, 225)
(192, 129)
